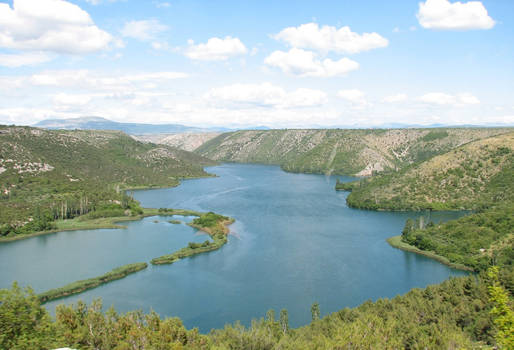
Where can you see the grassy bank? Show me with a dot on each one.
(83, 285)
(214, 225)
(82, 223)
(396, 242)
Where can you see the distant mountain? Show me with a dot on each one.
(98, 123)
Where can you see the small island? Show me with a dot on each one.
(215, 225)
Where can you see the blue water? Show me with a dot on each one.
(294, 242)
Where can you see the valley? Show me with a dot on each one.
(282, 211)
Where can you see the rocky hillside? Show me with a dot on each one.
(38, 167)
(477, 174)
(345, 152)
(186, 141)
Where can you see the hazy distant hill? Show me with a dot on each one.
(336, 151)
(97, 123)
(476, 174)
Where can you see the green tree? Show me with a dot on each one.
(502, 311)
(315, 311)
(284, 321)
(24, 324)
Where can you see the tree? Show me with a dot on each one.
(409, 225)
(502, 312)
(315, 311)
(270, 316)
(284, 320)
(24, 323)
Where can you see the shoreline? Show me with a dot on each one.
(218, 233)
(80, 286)
(396, 242)
(77, 223)
(219, 240)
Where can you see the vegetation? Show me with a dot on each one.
(213, 224)
(345, 186)
(46, 176)
(502, 311)
(80, 286)
(461, 313)
(474, 176)
(344, 152)
(476, 241)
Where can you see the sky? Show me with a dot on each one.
(280, 64)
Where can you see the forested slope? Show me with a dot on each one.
(472, 176)
(335, 151)
(60, 174)
(453, 315)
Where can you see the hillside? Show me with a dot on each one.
(345, 152)
(187, 141)
(48, 169)
(477, 174)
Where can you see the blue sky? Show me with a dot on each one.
(244, 63)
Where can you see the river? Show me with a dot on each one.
(294, 242)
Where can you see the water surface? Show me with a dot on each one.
(294, 242)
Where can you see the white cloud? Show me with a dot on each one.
(356, 97)
(306, 64)
(266, 95)
(91, 81)
(441, 99)
(328, 38)
(50, 25)
(69, 99)
(467, 99)
(441, 14)
(162, 4)
(160, 45)
(23, 59)
(97, 2)
(216, 49)
(395, 98)
(144, 30)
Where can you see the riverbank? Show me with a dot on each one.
(83, 285)
(396, 242)
(218, 232)
(215, 225)
(81, 223)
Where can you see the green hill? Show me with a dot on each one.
(345, 152)
(475, 175)
(61, 173)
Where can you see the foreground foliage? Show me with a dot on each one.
(453, 315)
